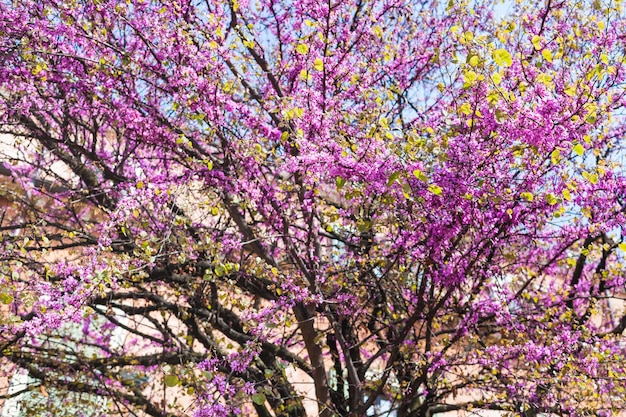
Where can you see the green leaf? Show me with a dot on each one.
(340, 182)
(392, 178)
(171, 380)
(406, 191)
(502, 58)
(258, 398)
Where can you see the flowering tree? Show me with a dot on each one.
(396, 199)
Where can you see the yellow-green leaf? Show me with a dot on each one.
(570, 91)
(171, 380)
(435, 189)
(302, 48)
(502, 58)
(465, 109)
(420, 175)
(318, 64)
(38, 68)
(579, 149)
(547, 55)
(592, 178)
(566, 194)
(551, 199)
(6, 298)
(622, 246)
(527, 196)
(544, 79)
(470, 76)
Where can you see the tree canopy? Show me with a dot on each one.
(281, 207)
